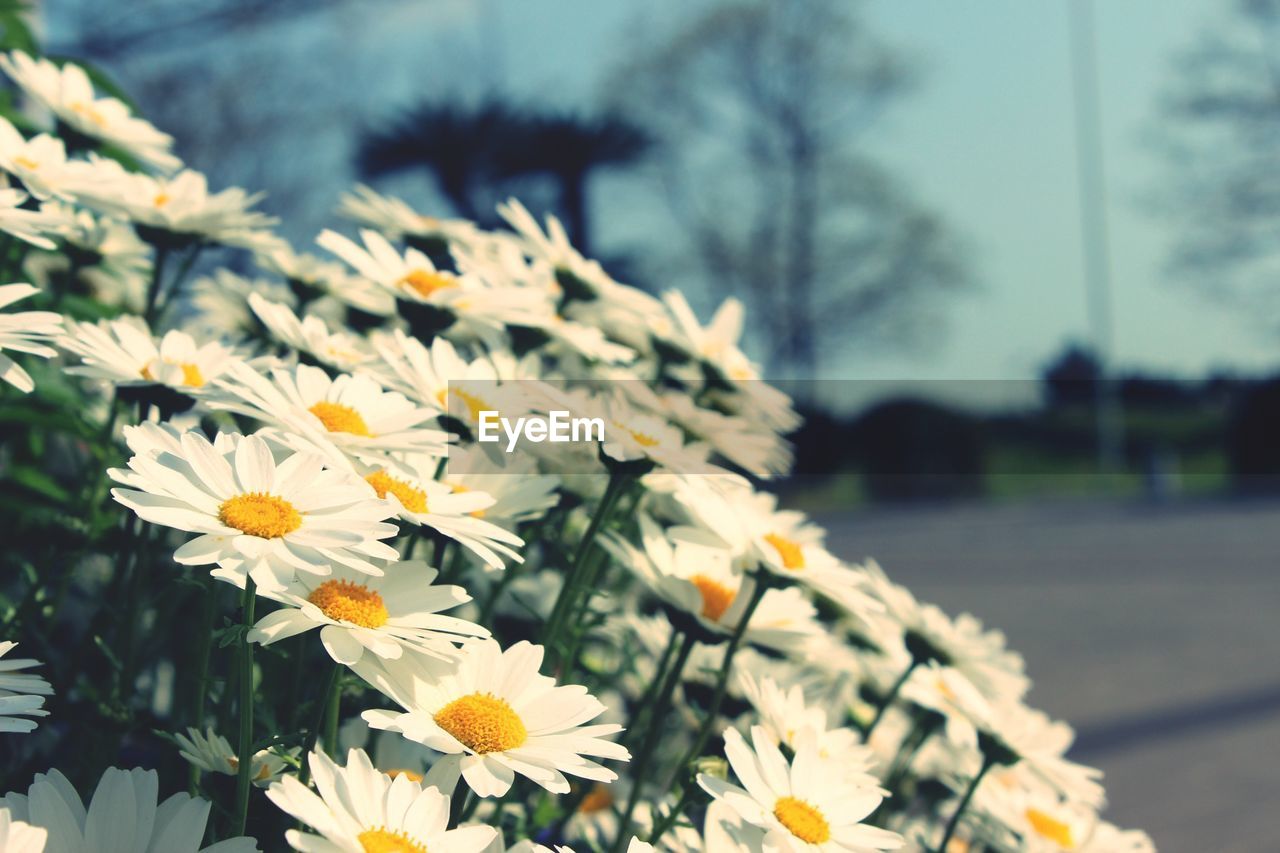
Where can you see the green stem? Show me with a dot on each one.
(331, 717)
(569, 592)
(244, 772)
(659, 672)
(204, 648)
(964, 804)
(686, 797)
(322, 713)
(722, 680)
(650, 744)
(888, 699)
(153, 289)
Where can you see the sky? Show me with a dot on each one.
(987, 138)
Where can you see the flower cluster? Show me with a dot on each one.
(616, 644)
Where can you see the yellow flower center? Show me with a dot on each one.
(474, 404)
(383, 840)
(89, 112)
(802, 820)
(483, 723)
(264, 772)
(260, 514)
(640, 438)
(791, 553)
(339, 418)
(425, 282)
(410, 497)
(161, 199)
(597, 800)
(716, 597)
(25, 162)
(191, 375)
(1051, 829)
(346, 601)
(411, 775)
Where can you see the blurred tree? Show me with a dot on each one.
(756, 106)
(1220, 129)
(1072, 377)
(476, 154)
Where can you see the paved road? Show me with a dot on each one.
(1155, 630)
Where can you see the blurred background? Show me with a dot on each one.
(1017, 260)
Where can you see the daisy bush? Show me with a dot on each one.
(272, 588)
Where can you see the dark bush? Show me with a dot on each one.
(912, 450)
(1253, 440)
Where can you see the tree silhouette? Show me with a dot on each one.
(1220, 131)
(756, 106)
(476, 154)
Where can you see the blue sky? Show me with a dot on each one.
(987, 138)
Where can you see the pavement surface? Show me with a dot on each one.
(1153, 629)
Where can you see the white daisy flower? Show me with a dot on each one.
(384, 615)
(963, 642)
(183, 208)
(40, 163)
(946, 691)
(519, 492)
(30, 226)
(311, 335)
(20, 837)
(255, 517)
(789, 719)
(494, 716)
(110, 259)
(1039, 744)
(328, 277)
(783, 542)
(221, 302)
(124, 352)
(22, 694)
(410, 488)
(691, 571)
(356, 809)
(424, 373)
(470, 307)
(716, 345)
(67, 92)
(352, 414)
(24, 331)
(584, 279)
(212, 753)
(747, 444)
(122, 815)
(803, 805)
(395, 218)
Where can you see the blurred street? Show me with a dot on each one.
(1152, 629)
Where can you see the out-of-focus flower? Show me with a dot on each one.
(122, 815)
(22, 694)
(211, 753)
(67, 92)
(182, 210)
(24, 331)
(124, 352)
